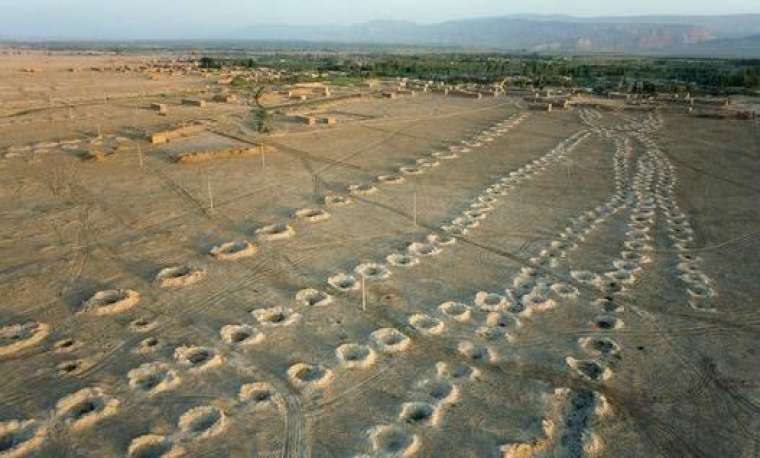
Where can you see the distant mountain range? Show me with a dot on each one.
(718, 36)
(643, 34)
(745, 46)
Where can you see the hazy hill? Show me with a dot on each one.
(532, 33)
(734, 35)
(730, 47)
(732, 26)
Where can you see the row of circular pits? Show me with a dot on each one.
(378, 271)
(172, 273)
(542, 295)
(485, 201)
(196, 424)
(390, 340)
(698, 285)
(157, 377)
(201, 358)
(501, 309)
(565, 291)
(366, 189)
(417, 169)
(78, 411)
(629, 265)
(486, 301)
(282, 231)
(500, 318)
(587, 368)
(200, 422)
(204, 422)
(478, 211)
(602, 347)
(115, 301)
(350, 355)
(642, 216)
(634, 257)
(578, 230)
(627, 268)
(21, 336)
(636, 239)
(568, 428)
(432, 395)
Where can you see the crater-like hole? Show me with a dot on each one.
(150, 381)
(153, 450)
(199, 357)
(69, 367)
(605, 323)
(391, 339)
(309, 374)
(591, 369)
(262, 396)
(602, 345)
(204, 422)
(239, 336)
(84, 408)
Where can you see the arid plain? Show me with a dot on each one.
(429, 276)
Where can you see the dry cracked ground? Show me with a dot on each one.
(432, 277)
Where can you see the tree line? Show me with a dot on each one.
(642, 74)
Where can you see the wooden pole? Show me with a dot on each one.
(140, 153)
(415, 208)
(210, 194)
(263, 156)
(364, 294)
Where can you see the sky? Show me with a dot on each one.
(201, 18)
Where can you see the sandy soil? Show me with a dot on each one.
(575, 283)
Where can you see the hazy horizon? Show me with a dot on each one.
(143, 19)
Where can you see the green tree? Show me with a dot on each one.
(209, 62)
(262, 118)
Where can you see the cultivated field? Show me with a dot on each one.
(431, 276)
